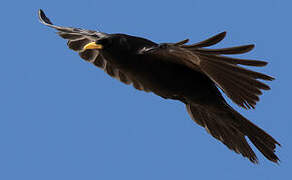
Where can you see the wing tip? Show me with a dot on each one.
(181, 42)
(43, 18)
(250, 47)
(261, 63)
(223, 34)
(208, 42)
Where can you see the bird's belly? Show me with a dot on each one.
(169, 80)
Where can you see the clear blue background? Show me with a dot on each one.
(62, 118)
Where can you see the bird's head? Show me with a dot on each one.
(111, 43)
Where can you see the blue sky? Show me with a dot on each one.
(62, 118)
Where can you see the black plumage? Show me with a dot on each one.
(188, 73)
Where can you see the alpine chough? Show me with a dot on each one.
(188, 73)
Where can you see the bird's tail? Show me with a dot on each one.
(228, 126)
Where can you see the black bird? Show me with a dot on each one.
(188, 73)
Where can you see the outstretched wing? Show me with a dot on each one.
(78, 38)
(69, 32)
(240, 84)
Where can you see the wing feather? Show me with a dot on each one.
(78, 38)
(89, 55)
(231, 50)
(208, 42)
(241, 85)
(69, 30)
(78, 44)
(231, 60)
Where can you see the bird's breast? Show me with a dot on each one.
(166, 79)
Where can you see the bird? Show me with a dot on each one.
(190, 73)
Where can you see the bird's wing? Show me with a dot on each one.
(240, 84)
(78, 38)
(69, 32)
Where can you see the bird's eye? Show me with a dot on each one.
(104, 41)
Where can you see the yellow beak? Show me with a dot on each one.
(92, 45)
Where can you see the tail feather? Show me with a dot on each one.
(228, 126)
(267, 152)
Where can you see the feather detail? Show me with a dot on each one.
(230, 50)
(228, 126)
(235, 61)
(208, 42)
